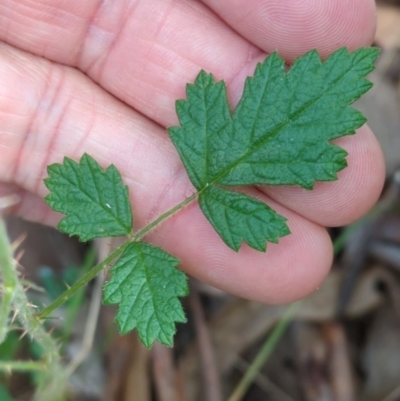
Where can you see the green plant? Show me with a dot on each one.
(279, 134)
(26, 335)
(53, 377)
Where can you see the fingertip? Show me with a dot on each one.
(293, 27)
(288, 271)
(356, 191)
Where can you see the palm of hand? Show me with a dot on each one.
(102, 78)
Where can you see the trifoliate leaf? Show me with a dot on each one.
(146, 284)
(95, 201)
(238, 217)
(278, 134)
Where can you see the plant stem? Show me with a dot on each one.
(9, 281)
(77, 301)
(54, 379)
(263, 354)
(145, 230)
(22, 366)
(93, 272)
(81, 282)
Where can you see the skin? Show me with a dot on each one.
(102, 77)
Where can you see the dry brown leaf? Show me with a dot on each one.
(313, 361)
(164, 374)
(241, 323)
(128, 370)
(340, 367)
(137, 385)
(381, 358)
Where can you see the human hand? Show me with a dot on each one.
(102, 77)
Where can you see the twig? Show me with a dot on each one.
(90, 327)
(164, 373)
(212, 385)
(277, 394)
(76, 302)
(93, 314)
(263, 355)
(340, 367)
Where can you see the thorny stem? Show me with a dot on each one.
(53, 379)
(9, 281)
(22, 366)
(97, 269)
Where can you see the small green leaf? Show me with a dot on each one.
(204, 114)
(95, 201)
(238, 217)
(279, 133)
(146, 284)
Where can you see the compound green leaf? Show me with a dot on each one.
(279, 133)
(146, 284)
(95, 201)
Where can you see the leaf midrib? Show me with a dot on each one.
(268, 136)
(97, 202)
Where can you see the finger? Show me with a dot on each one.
(157, 101)
(293, 27)
(145, 52)
(28, 205)
(341, 202)
(288, 271)
(64, 113)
